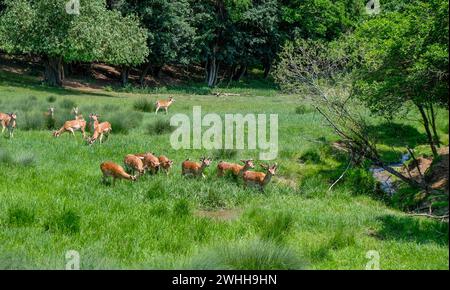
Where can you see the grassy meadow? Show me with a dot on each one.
(52, 199)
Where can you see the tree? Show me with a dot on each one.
(405, 60)
(171, 37)
(317, 71)
(48, 29)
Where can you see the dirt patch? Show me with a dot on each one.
(435, 173)
(221, 214)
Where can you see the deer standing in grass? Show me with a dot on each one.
(236, 169)
(100, 129)
(165, 104)
(151, 162)
(111, 169)
(133, 164)
(72, 126)
(165, 163)
(194, 168)
(260, 179)
(50, 113)
(8, 121)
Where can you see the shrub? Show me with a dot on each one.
(160, 127)
(310, 156)
(51, 99)
(181, 208)
(67, 222)
(33, 121)
(223, 154)
(143, 105)
(245, 255)
(123, 122)
(360, 181)
(67, 104)
(302, 109)
(20, 216)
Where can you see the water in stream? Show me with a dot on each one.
(385, 178)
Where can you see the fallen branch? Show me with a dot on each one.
(342, 175)
(429, 215)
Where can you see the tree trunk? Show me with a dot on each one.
(267, 69)
(436, 139)
(240, 73)
(213, 68)
(156, 71)
(426, 125)
(145, 70)
(54, 71)
(124, 74)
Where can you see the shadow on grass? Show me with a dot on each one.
(393, 134)
(413, 229)
(27, 82)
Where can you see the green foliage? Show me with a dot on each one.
(143, 105)
(159, 127)
(124, 121)
(66, 221)
(181, 208)
(360, 181)
(21, 216)
(51, 99)
(245, 255)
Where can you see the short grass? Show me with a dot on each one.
(52, 199)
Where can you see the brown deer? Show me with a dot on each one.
(72, 126)
(194, 168)
(236, 169)
(133, 164)
(165, 104)
(151, 162)
(100, 129)
(111, 169)
(165, 163)
(8, 121)
(260, 179)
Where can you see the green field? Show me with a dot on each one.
(52, 199)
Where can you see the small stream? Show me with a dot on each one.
(385, 178)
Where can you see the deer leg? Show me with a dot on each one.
(157, 109)
(166, 108)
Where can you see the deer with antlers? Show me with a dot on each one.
(194, 168)
(236, 169)
(259, 179)
(164, 104)
(100, 129)
(111, 169)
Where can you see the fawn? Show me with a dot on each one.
(164, 104)
(133, 164)
(114, 170)
(194, 168)
(150, 161)
(236, 169)
(72, 126)
(260, 179)
(165, 163)
(100, 129)
(8, 121)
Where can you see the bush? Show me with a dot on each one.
(67, 222)
(310, 156)
(20, 216)
(143, 105)
(225, 154)
(124, 122)
(33, 121)
(360, 181)
(67, 104)
(181, 208)
(302, 109)
(160, 127)
(51, 99)
(245, 255)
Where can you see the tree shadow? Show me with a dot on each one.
(25, 81)
(393, 134)
(413, 229)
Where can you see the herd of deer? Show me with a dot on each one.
(142, 162)
(138, 164)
